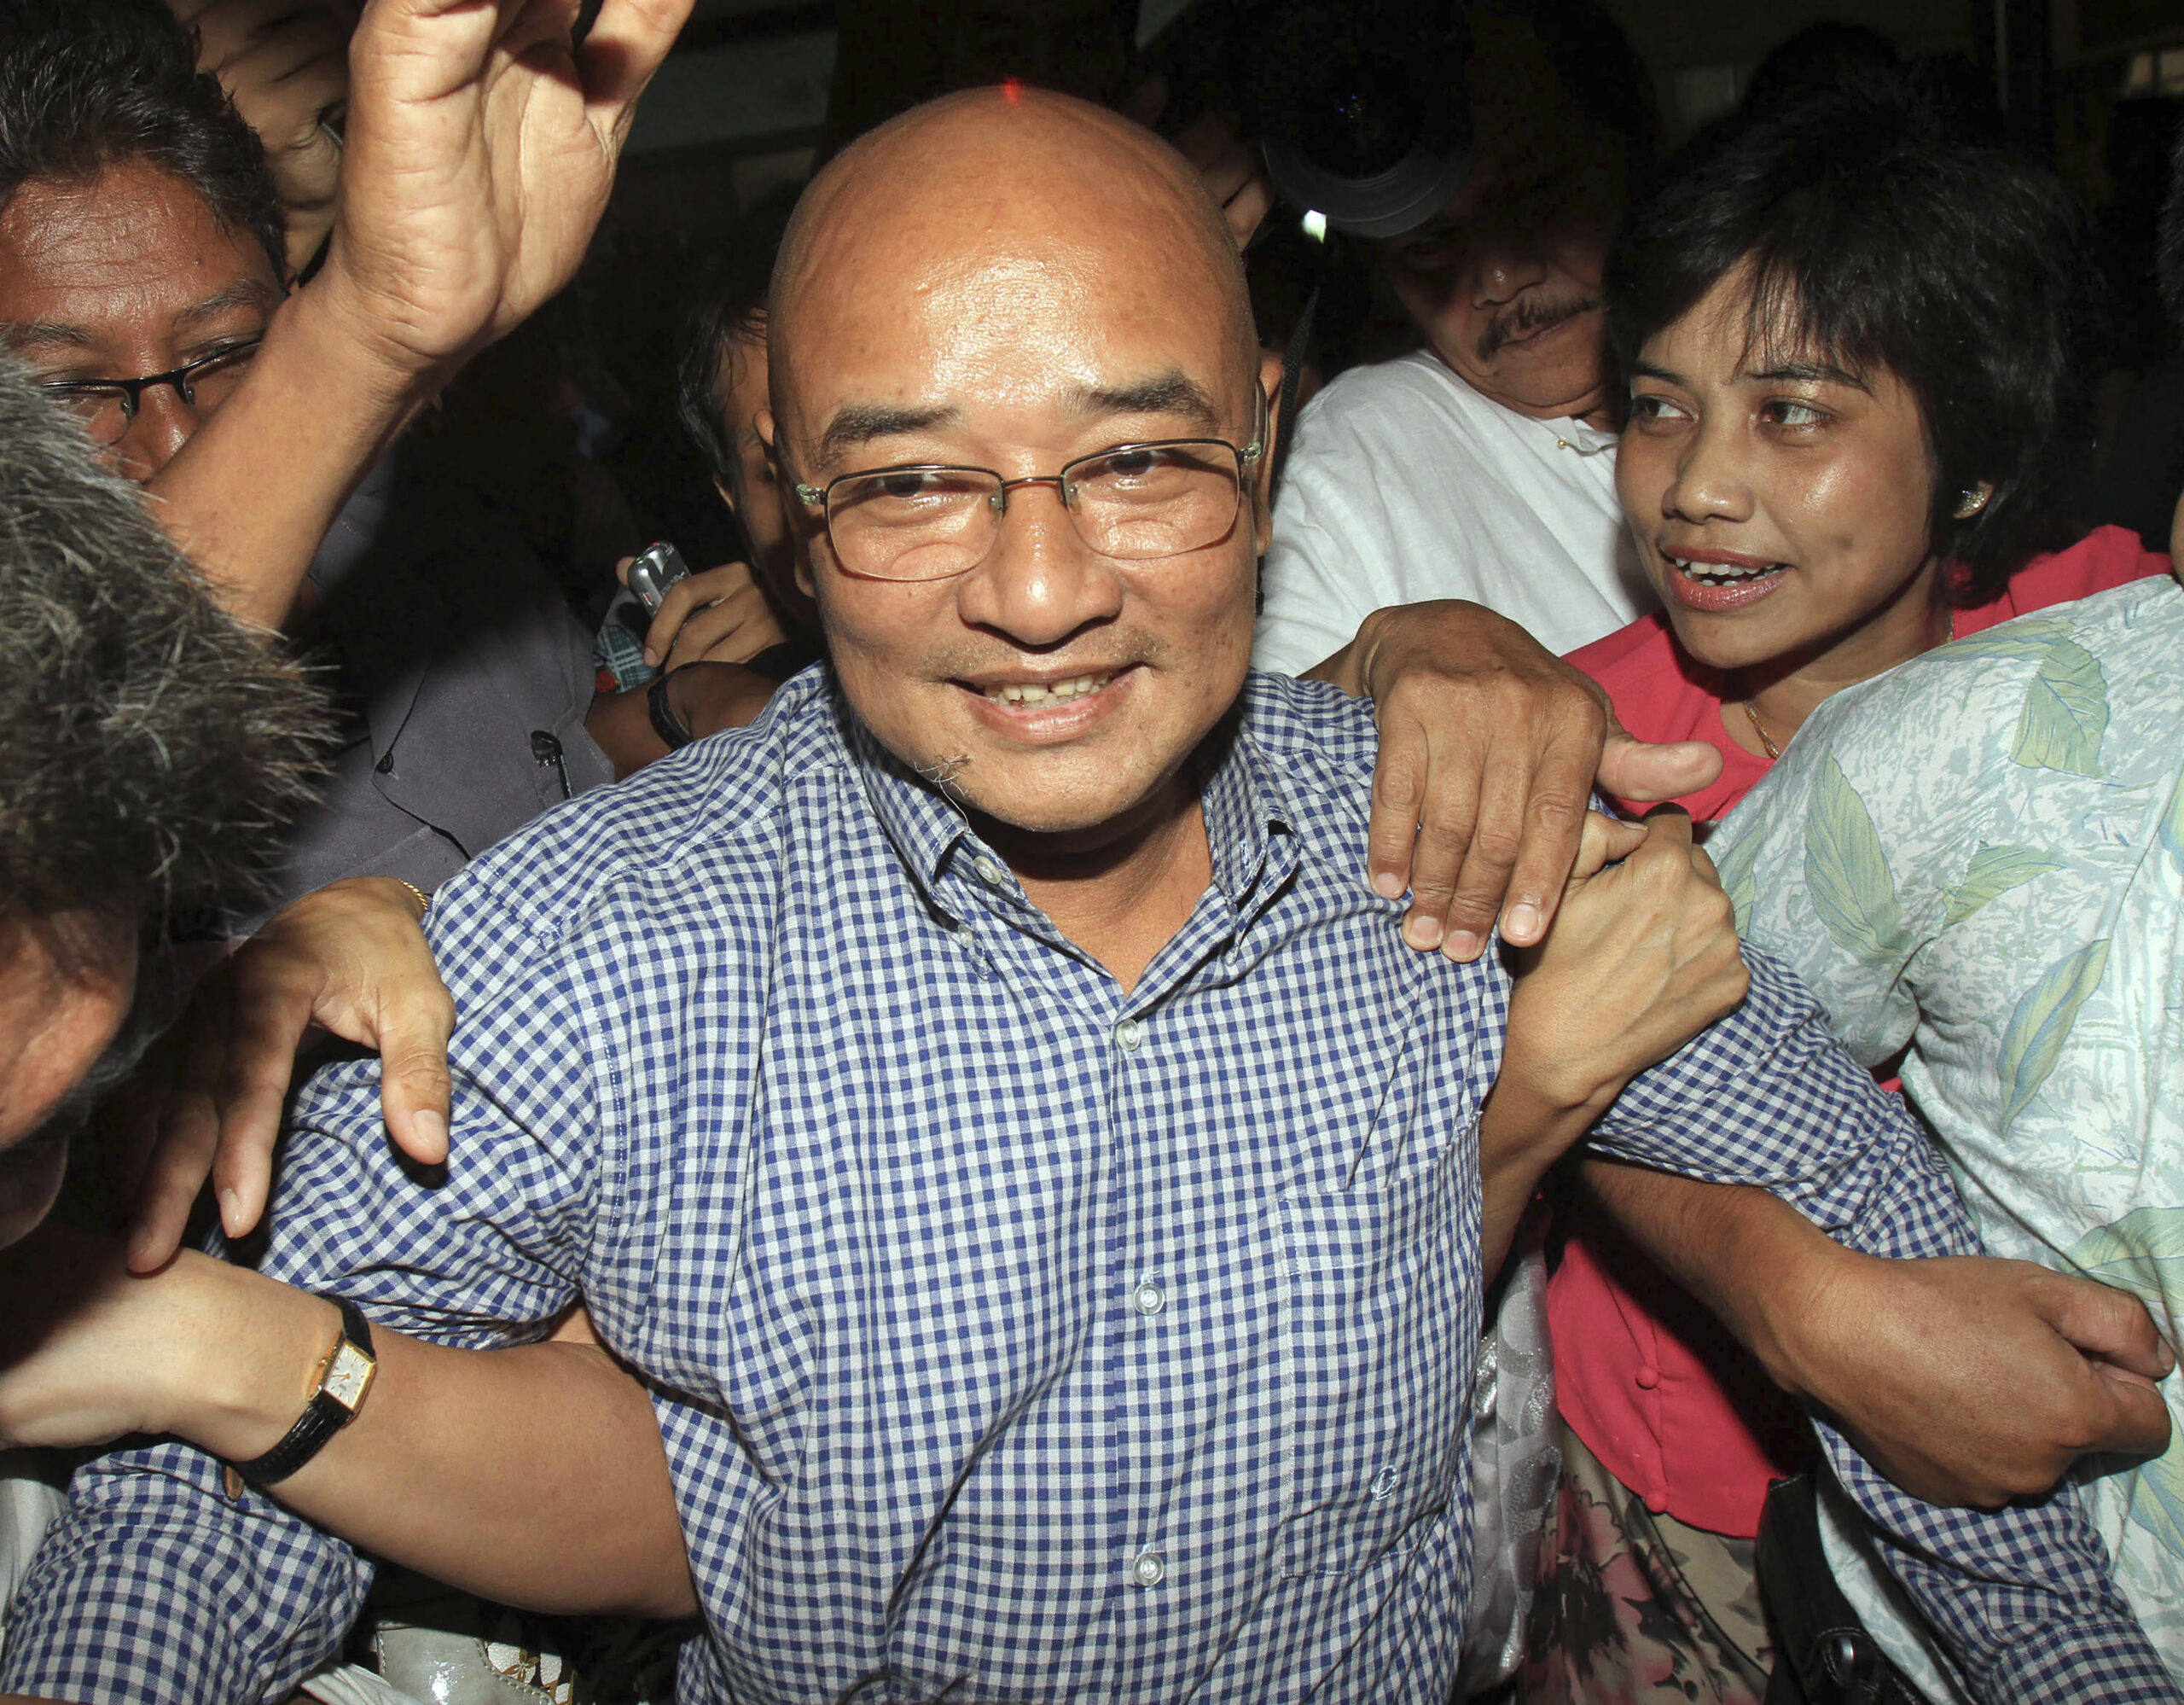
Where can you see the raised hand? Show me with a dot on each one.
(286, 66)
(482, 143)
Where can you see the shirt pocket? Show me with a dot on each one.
(1380, 1329)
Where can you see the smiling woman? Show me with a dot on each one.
(1849, 338)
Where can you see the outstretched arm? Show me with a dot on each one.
(1966, 1380)
(481, 145)
(2023, 1595)
(532, 1476)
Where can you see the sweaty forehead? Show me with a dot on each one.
(981, 243)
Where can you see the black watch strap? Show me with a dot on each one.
(327, 1413)
(670, 727)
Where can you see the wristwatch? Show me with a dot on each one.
(672, 731)
(345, 1377)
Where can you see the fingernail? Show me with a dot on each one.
(230, 1210)
(1388, 885)
(1422, 932)
(1521, 926)
(430, 1126)
(652, 658)
(140, 1245)
(1463, 946)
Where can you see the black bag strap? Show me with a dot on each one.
(1823, 1653)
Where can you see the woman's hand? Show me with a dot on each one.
(1641, 957)
(349, 958)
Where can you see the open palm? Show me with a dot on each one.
(482, 144)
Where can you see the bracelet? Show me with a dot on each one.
(673, 731)
(424, 900)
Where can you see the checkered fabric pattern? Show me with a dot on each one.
(1010, 1334)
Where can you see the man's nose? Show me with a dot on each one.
(163, 425)
(1041, 582)
(1502, 266)
(1710, 481)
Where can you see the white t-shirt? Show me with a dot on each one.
(1406, 483)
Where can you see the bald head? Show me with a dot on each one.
(1016, 286)
(1002, 182)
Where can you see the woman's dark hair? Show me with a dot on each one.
(1878, 237)
(88, 83)
(729, 304)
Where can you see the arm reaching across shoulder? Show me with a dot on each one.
(1490, 747)
(1641, 956)
(481, 144)
(349, 958)
(1965, 1380)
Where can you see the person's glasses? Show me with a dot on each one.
(1136, 501)
(107, 406)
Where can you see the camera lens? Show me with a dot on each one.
(1362, 109)
(1358, 130)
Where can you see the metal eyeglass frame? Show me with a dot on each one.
(822, 497)
(132, 390)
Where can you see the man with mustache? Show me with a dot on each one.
(1049, 1209)
(1483, 465)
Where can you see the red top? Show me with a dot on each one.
(1658, 1391)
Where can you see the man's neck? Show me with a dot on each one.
(1124, 898)
(1601, 407)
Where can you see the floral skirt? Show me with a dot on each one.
(1634, 1608)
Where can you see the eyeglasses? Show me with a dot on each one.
(1136, 501)
(107, 406)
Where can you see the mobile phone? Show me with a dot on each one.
(658, 568)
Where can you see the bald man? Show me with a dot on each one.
(1047, 1205)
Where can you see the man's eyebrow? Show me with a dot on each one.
(244, 293)
(33, 334)
(1166, 393)
(857, 423)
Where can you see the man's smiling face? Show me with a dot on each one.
(1012, 285)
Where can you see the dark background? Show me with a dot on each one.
(756, 90)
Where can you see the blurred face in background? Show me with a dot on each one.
(1504, 282)
(751, 489)
(127, 275)
(65, 983)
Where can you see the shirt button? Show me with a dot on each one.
(1147, 1568)
(1148, 1298)
(1128, 1035)
(1384, 1482)
(1647, 1376)
(988, 871)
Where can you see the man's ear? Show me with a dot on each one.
(1276, 430)
(763, 424)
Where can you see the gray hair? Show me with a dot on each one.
(150, 747)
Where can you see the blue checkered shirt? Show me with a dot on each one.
(1007, 1330)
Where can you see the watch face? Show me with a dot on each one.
(350, 1378)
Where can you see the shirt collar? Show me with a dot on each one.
(1578, 438)
(1248, 815)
